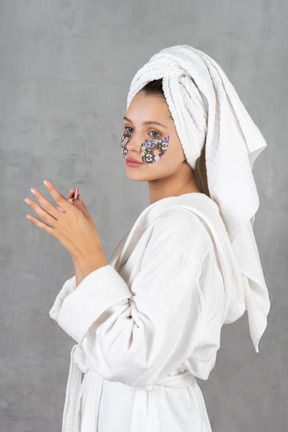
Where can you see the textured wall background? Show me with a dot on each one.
(65, 70)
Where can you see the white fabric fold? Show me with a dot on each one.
(78, 416)
(174, 381)
(83, 397)
(211, 121)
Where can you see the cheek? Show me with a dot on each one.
(153, 150)
(176, 151)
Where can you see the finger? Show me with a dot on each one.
(50, 208)
(40, 224)
(58, 197)
(72, 199)
(70, 194)
(47, 217)
(69, 198)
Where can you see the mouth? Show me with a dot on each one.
(132, 162)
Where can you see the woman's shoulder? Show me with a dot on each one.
(177, 219)
(177, 228)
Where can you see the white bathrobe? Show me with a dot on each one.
(148, 323)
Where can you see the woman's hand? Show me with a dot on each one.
(71, 224)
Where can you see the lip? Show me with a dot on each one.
(133, 162)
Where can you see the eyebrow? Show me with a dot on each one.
(146, 122)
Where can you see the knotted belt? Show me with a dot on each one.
(77, 416)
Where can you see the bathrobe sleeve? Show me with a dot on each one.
(169, 321)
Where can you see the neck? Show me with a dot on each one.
(178, 183)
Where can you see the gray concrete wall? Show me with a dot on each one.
(65, 67)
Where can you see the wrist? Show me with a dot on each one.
(90, 263)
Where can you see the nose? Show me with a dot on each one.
(134, 143)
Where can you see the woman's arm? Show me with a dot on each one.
(139, 338)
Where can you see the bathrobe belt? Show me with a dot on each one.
(93, 383)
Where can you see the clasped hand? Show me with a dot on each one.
(71, 224)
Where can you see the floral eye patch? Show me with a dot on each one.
(152, 150)
(124, 141)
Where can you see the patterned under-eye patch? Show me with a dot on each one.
(154, 149)
(124, 141)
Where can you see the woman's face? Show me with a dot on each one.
(148, 118)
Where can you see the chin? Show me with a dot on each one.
(135, 176)
(147, 173)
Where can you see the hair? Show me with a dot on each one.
(154, 88)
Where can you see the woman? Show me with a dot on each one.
(148, 323)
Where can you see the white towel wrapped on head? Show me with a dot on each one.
(213, 124)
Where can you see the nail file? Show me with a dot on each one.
(75, 194)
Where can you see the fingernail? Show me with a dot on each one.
(45, 182)
(33, 191)
(27, 201)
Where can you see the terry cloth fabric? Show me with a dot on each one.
(214, 127)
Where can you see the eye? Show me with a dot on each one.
(128, 129)
(154, 134)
